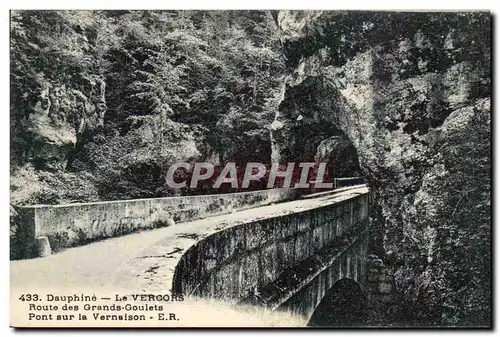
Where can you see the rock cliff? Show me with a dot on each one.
(411, 93)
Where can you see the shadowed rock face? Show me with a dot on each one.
(342, 306)
(411, 93)
(340, 155)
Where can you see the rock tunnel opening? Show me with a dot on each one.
(318, 122)
(307, 132)
(342, 306)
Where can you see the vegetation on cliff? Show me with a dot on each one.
(98, 96)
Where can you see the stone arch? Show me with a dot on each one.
(342, 306)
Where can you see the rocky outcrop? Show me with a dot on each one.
(60, 117)
(411, 93)
(58, 87)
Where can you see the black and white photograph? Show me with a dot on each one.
(250, 169)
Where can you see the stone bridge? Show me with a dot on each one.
(279, 254)
(287, 262)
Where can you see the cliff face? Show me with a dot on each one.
(411, 93)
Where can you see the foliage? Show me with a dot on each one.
(135, 91)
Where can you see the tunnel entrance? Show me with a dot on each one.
(342, 306)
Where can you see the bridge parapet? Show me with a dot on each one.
(80, 223)
(248, 261)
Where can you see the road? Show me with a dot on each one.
(144, 261)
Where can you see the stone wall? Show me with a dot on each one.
(77, 224)
(269, 259)
(379, 285)
(384, 304)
